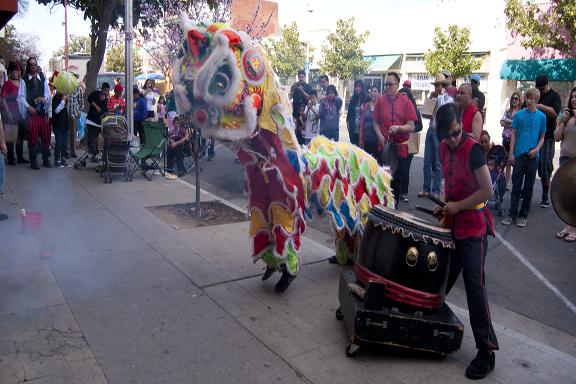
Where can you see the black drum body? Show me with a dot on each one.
(410, 256)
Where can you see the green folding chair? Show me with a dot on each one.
(152, 151)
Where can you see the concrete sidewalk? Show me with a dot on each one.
(109, 293)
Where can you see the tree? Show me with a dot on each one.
(343, 56)
(77, 44)
(18, 46)
(288, 54)
(451, 53)
(162, 39)
(116, 60)
(551, 25)
(258, 24)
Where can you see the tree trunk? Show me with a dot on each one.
(98, 36)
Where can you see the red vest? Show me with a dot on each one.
(468, 117)
(459, 183)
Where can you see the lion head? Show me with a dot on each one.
(224, 83)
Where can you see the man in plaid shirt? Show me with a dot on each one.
(75, 106)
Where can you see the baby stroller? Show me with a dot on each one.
(496, 160)
(115, 154)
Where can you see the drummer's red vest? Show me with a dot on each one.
(459, 183)
(468, 117)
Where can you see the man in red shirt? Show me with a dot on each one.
(467, 185)
(116, 103)
(471, 117)
(394, 117)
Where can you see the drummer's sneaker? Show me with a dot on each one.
(482, 365)
(508, 221)
(521, 222)
(545, 203)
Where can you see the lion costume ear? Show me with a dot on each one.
(198, 43)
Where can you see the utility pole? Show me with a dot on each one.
(129, 75)
(65, 34)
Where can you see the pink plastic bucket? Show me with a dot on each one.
(31, 222)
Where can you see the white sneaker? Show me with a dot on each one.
(170, 176)
(521, 222)
(508, 221)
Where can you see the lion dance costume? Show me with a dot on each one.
(225, 85)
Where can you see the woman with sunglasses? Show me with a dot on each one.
(467, 186)
(506, 122)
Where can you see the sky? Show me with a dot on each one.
(48, 25)
(393, 25)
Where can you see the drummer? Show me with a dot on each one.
(467, 187)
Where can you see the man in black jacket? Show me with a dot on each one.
(98, 101)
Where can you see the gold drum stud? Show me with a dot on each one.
(412, 256)
(432, 261)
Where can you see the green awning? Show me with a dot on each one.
(383, 63)
(556, 69)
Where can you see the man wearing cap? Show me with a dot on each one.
(478, 97)
(471, 117)
(407, 84)
(432, 166)
(551, 104)
(116, 103)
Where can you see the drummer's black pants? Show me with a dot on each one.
(469, 257)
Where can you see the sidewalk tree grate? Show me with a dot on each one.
(183, 216)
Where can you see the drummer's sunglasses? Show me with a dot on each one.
(446, 135)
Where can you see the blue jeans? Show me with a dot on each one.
(2, 172)
(432, 166)
(61, 136)
(523, 174)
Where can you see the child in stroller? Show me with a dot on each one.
(496, 158)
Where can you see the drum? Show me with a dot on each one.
(409, 255)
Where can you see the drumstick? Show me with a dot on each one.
(435, 200)
(428, 211)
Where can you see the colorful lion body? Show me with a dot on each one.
(226, 86)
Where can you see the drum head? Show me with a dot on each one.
(408, 225)
(562, 190)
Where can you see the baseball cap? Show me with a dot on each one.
(118, 88)
(407, 83)
(475, 77)
(441, 79)
(541, 80)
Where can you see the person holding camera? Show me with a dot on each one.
(565, 133)
(528, 129)
(300, 94)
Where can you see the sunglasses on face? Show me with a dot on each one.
(515, 98)
(450, 135)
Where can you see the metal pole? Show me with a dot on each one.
(129, 80)
(65, 34)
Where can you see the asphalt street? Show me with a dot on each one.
(534, 292)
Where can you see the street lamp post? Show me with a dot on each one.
(129, 70)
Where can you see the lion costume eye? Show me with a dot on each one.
(221, 81)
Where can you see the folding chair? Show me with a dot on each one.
(153, 150)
